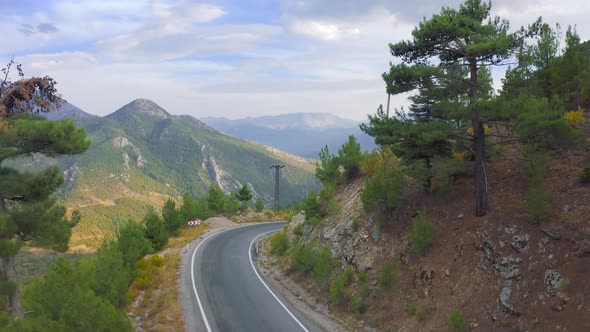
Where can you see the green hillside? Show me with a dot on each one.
(141, 154)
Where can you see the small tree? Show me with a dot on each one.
(244, 196)
(422, 234)
(171, 217)
(216, 199)
(327, 170)
(350, 157)
(312, 206)
(155, 230)
(259, 205)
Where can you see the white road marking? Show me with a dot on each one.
(268, 288)
(207, 326)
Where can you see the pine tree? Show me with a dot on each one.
(244, 195)
(171, 216)
(28, 213)
(350, 156)
(155, 230)
(259, 204)
(216, 199)
(464, 40)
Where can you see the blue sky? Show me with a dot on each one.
(232, 58)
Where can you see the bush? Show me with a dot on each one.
(298, 230)
(457, 321)
(259, 205)
(155, 230)
(385, 189)
(537, 202)
(412, 308)
(363, 283)
(575, 118)
(422, 234)
(279, 243)
(387, 276)
(357, 306)
(585, 175)
(313, 221)
(312, 206)
(303, 257)
(157, 260)
(356, 224)
(423, 313)
(323, 265)
(338, 291)
(334, 207)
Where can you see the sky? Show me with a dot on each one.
(232, 58)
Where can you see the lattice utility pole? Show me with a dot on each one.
(277, 168)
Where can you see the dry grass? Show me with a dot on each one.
(159, 307)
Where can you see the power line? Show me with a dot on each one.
(277, 168)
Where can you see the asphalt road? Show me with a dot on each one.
(227, 293)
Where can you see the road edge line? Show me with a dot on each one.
(266, 286)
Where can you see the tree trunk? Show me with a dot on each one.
(481, 195)
(9, 270)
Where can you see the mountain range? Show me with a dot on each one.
(303, 134)
(140, 155)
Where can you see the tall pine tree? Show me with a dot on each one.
(28, 213)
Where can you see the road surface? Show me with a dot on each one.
(227, 293)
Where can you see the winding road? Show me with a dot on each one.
(227, 293)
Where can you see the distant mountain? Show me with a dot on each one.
(141, 154)
(303, 134)
(67, 110)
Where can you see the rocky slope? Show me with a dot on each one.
(501, 271)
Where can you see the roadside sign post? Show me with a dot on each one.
(195, 223)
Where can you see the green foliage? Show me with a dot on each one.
(303, 257)
(323, 265)
(585, 175)
(244, 195)
(422, 234)
(334, 207)
(133, 245)
(216, 199)
(388, 277)
(312, 206)
(232, 204)
(279, 243)
(363, 279)
(338, 292)
(537, 200)
(327, 171)
(259, 206)
(350, 157)
(192, 209)
(298, 230)
(356, 224)
(457, 321)
(157, 260)
(412, 308)
(357, 306)
(155, 230)
(384, 190)
(423, 313)
(171, 217)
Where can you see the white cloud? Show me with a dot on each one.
(323, 30)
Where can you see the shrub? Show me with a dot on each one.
(279, 243)
(259, 205)
(157, 260)
(387, 276)
(334, 207)
(412, 308)
(457, 321)
(564, 284)
(313, 221)
(537, 202)
(269, 214)
(363, 283)
(356, 224)
(357, 306)
(422, 234)
(423, 313)
(323, 265)
(298, 230)
(575, 118)
(303, 257)
(143, 283)
(350, 157)
(338, 291)
(312, 206)
(585, 175)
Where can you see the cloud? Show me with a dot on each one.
(46, 28)
(323, 30)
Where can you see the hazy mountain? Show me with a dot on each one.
(141, 154)
(68, 110)
(302, 134)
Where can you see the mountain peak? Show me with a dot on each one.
(145, 106)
